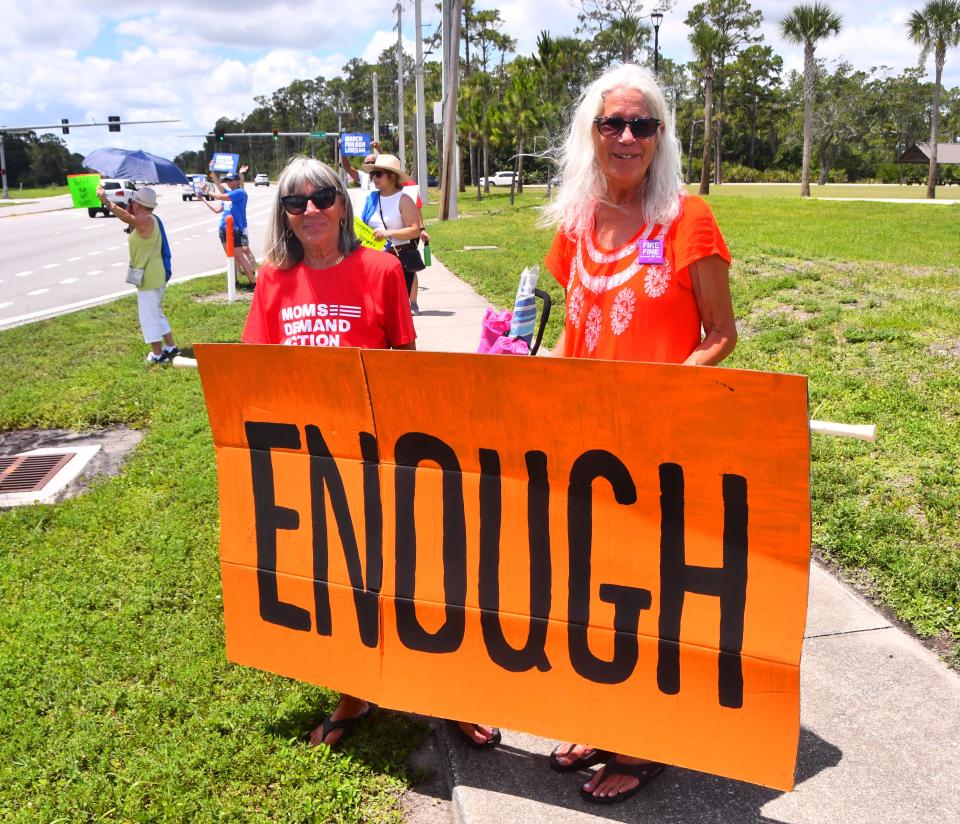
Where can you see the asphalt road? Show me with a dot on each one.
(56, 259)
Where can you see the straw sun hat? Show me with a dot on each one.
(388, 163)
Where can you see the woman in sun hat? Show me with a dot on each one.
(146, 258)
(392, 213)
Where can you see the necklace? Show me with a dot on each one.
(329, 265)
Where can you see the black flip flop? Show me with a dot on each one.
(491, 742)
(345, 724)
(644, 772)
(590, 758)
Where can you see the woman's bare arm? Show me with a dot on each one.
(711, 287)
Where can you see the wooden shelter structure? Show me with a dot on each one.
(919, 153)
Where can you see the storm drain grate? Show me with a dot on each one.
(31, 473)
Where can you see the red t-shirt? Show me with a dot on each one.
(619, 308)
(360, 302)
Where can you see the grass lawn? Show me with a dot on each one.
(844, 190)
(46, 191)
(116, 701)
(864, 299)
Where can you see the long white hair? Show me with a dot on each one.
(584, 186)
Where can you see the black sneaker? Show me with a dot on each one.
(170, 354)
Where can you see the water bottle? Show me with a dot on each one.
(525, 306)
(427, 257)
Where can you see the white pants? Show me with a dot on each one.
(153, 323)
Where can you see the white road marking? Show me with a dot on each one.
(93, 272)
(112, 248)
(6, 304)
(95, 252)
(121, 263)
(50, 266)
(69, 280)
(36, 292)
(23, 274)
(71, 260)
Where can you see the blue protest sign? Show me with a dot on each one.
(223, 162)
(355, 144)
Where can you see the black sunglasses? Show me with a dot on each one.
(377, 173)
(297, 204)
(641, 127)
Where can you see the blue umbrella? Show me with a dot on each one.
(134, 165)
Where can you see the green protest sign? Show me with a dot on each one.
(83, 190)
(365, 234)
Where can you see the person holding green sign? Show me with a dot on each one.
(146, 271)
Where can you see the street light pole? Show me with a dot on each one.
(657, 18)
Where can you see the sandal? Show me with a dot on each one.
(491, 742)
(644, 772)
(346, 724)
(588, 759)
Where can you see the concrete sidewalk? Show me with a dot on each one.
(880, 714)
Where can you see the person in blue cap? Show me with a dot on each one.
(229, 190)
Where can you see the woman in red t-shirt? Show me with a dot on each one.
(320, 287)
(645, 268)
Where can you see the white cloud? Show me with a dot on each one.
(195, 61)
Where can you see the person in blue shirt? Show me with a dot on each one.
(229, 190)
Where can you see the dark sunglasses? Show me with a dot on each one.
(297, 204)
(639, 126)
(377, 173)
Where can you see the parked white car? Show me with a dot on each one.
(499, 179)
(261, 180)
(116, 191)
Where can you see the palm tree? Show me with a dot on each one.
(936, 28)
(705, 41)
(806, 26)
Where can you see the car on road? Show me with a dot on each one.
(261, 180)
(116, 191)
(432, 181)
(499, 179)
(197, 183)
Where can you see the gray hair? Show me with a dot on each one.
(584, 186)
(284, 250)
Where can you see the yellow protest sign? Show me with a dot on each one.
(627, 566)
(365, 234)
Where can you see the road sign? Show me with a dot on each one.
(318, 134)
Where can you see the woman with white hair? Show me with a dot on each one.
(645, 270)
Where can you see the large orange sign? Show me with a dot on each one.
(613, 553)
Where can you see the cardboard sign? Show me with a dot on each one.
(355, 144)
(611, 553)
(83, 191)
(366, 236)
(224, 162)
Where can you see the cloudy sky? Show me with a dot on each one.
(195, 61)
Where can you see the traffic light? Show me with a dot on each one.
(64, 125)
(114, 121)
(276, 133)
(219, 132)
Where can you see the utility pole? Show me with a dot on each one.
(113, 124)
(376, 110)
(402, 151)
(449, 173)
(421, 161)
